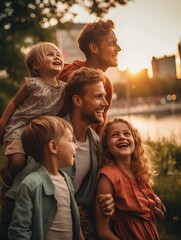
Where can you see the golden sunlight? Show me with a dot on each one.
(130, 64)
(133, 69)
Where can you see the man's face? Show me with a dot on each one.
(93, 103)
(108, 49)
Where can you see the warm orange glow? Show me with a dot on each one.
(134, 70)
(132, 65)
(174, 97)
(178, 66)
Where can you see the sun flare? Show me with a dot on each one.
(132, 65)
(134, 69)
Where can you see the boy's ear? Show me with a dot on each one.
(52, 146)
(93, 48)
(76, 100)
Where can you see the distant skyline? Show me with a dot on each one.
(144, 28)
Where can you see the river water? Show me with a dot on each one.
(156, 126)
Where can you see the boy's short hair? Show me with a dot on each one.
(93, 33)
(37, 134)
(79, 80)
(36, 56)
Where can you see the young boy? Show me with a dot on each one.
(45, 207)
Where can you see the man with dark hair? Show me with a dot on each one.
(99, 44)
(86, 96)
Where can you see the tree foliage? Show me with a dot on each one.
(23, 23)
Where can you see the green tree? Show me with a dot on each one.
(23, 23)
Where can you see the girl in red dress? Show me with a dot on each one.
(127, 173)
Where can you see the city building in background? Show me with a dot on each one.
(179, 50)
(67, 42)
(179, 53)
(164, 67)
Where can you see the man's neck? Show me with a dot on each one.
(92, 62)
(79, 127)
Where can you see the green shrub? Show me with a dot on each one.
(168, 188)
(168, 154)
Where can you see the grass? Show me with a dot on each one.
(168, 188)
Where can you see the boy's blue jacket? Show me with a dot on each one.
(36, 207)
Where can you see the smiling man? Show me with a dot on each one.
(98, 42)
(86, 96)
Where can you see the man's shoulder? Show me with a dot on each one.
(93, 136)
(69, 68)
(76, 64)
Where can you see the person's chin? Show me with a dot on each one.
(71, 163)
(114, 64)
(100, 120)
(97, 119)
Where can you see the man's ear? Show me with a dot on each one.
(93, 48)
(52, 146)
(76, 100)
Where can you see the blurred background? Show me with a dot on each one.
(147, 81)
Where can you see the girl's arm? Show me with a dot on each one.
(20, 96)
(102, 220)
(81, 235)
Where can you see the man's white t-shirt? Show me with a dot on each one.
(82, 162)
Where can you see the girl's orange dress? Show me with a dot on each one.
(134, 218)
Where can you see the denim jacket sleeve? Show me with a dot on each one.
(20, 228)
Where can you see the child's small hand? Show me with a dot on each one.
(159, 210)
(106, 204)
(158, 213)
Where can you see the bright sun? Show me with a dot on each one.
(132, 66)
(132, 69)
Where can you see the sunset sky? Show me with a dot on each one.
(144, 28)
